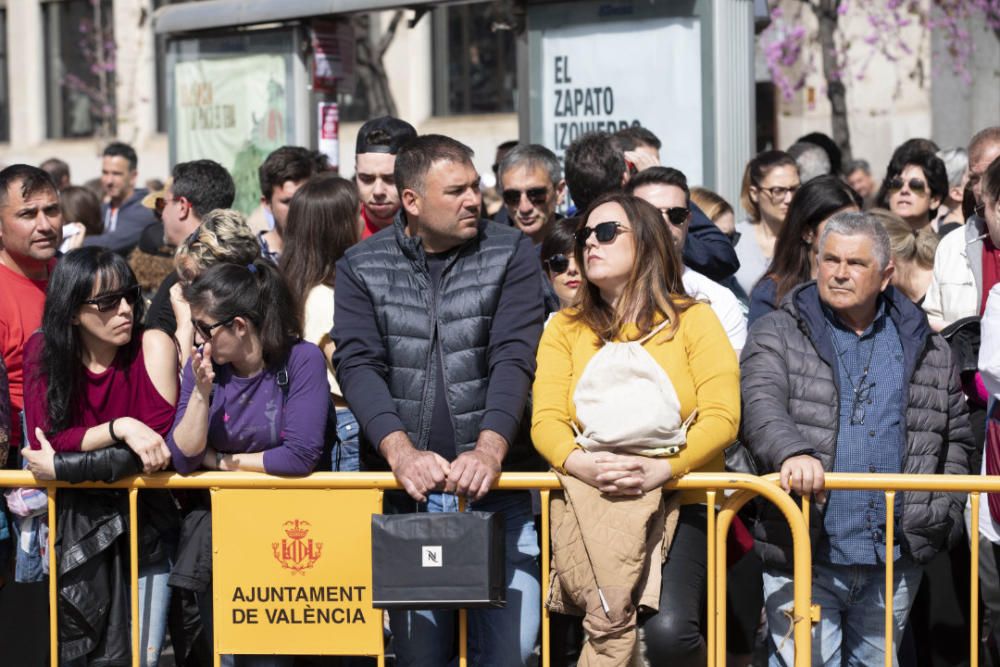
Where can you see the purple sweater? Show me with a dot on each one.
(254, 415)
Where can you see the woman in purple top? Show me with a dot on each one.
(254, 396)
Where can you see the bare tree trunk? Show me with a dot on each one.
(836, 91)
(370, 68)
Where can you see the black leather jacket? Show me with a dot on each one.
(92, 562)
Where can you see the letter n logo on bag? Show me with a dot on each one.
(430, 556)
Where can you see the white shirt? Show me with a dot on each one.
(723, 302)
(317, 325)
(989, 369)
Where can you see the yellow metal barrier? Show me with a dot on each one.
(719, 521)
(890, 485)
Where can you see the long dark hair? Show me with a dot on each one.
(72, 282)
(256, 292)
(654, 288)
(322, 224)
(815, 201)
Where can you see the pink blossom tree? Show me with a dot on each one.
(98, 51)
(787, 43)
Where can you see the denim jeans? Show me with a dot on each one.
(154, 605)
(851, 598)
(497, 637)
(345, 452)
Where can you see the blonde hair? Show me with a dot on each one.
(713, 205)
(223, 238)
(907, 245)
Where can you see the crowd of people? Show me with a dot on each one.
(609, 322)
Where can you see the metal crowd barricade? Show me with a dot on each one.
(890, 485)
(720, 512)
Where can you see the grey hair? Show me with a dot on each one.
(853, 223)
(811, 159)
(956, 161)
(531, 155)
(854, 165)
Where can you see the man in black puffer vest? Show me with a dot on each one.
(847, 377)
(437, 322)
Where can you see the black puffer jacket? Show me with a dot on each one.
(791, 406)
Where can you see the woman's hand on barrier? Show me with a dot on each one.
(204, 372)
(41, 462)
(804, 475)
(613, 474)
(145, 442)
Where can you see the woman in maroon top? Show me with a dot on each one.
(102, 391)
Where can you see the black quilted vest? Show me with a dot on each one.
(411, 318)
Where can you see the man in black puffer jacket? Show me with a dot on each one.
(437, 322)
(847, 377)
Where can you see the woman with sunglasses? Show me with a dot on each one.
(99, 399)
(249, 361)
(769, 183)
(633, 293)
(798, 241)
(559, 261)
(915, 188)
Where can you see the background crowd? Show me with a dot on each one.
(609, 321)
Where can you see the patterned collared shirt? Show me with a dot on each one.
(871, 437)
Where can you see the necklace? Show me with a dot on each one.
(861, 390)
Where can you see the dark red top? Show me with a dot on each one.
(991, 270)
(123, 390)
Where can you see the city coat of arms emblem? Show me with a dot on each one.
(295, 552)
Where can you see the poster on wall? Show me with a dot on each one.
(626, 73)
(334, 50)
(233, 111)
(328, 123)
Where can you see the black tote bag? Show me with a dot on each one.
(438, 560)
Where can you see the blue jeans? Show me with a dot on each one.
(851, 598)
(345, 451)
(154, 605)
(497, 637)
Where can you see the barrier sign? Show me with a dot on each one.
(292, 572)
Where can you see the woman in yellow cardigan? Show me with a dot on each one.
(632, 292)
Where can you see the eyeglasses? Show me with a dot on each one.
(861, 397)
(676, 215)
(206, 331)
(111, 300)
(604, 232)
(557, 263)
(778, 192)
(916, 185)
(536, 196)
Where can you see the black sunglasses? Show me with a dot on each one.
(536, 196)
(605, 232)
(206, 331)
(677, 215)
(557, 263)
(916, 185)
(110, 301)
